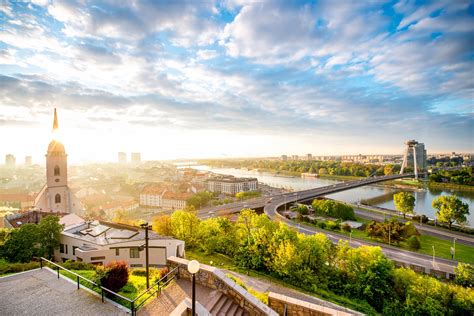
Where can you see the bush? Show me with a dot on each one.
(113, 276)
(332, 225)
(346, 227)
(322, 225)
(414, 242)
(6, 267)
(78, 265)
(424, 218)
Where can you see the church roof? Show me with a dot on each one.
(56, 147)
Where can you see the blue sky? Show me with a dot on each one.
(236, 78)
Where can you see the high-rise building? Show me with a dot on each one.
(28, 161)
(309, 157)
(284, 157)
(294, 157)
(122, 158)
(10, 161)
(136, 158)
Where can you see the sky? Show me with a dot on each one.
(196, 79)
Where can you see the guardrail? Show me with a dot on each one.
(151, 291)
(79, 277)
(155, 288)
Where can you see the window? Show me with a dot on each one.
(57, 198)
(74, 250)
(136, 265)
(134, 253)
(61, 248)
(97, 258)
(117, 251)
(56, 171)
(66, 248)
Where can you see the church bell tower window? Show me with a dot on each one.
(57, 171)
(57, 198)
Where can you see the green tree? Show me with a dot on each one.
(162, 225)
(404, 202)
(22, 243)
(49, 232)
(451, 209)
(185, 226)
(464, 274)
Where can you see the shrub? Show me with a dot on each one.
(113, 276)
(332, 225)
(346, 227)
(414, 242)
(314, 221)
(322, 225)
(78, 265)
(6, 267)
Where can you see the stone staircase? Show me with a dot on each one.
(221, 305)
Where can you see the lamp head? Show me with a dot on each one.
(193, 266)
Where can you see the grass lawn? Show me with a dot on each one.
(135, 285)
(464, 253)
(225, 262)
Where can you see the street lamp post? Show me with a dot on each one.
(454, 247)
(193, 268)
(146, 226)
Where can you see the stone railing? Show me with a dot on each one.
(298, 307)
(214, 278)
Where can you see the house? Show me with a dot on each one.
(99, 242)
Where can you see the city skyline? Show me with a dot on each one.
(218, 82)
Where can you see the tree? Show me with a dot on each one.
(414, 242)
(464, 274)
(404, 202)
(162, 225)
(451, 209)
(185, 226)
(49, 232)
(22, 243)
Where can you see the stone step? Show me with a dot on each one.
(239, 312)
(214, 300)
(225, 308)
(216, 308)
(233, 309)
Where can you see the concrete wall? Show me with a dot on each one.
(216, 279)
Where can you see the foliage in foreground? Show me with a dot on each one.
(31, 240)
(315, 264)
(113, 276)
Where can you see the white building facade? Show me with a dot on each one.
(101, 243)
(231, 185)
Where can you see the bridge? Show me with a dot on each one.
(271, 204)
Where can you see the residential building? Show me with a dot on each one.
(136, 158)
(28, 161)
(56, 195)
(10, 161)
(284, 157)
(101, 242)
(309, 157)
(122, 158)
(174, 201)
(231, 185)
(18, 200)
(294, 157)
(157, 196)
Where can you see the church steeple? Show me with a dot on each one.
(55, 122)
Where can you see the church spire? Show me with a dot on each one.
(55, 122)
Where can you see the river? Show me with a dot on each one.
(381, 194)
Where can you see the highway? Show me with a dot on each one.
(271, 204)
